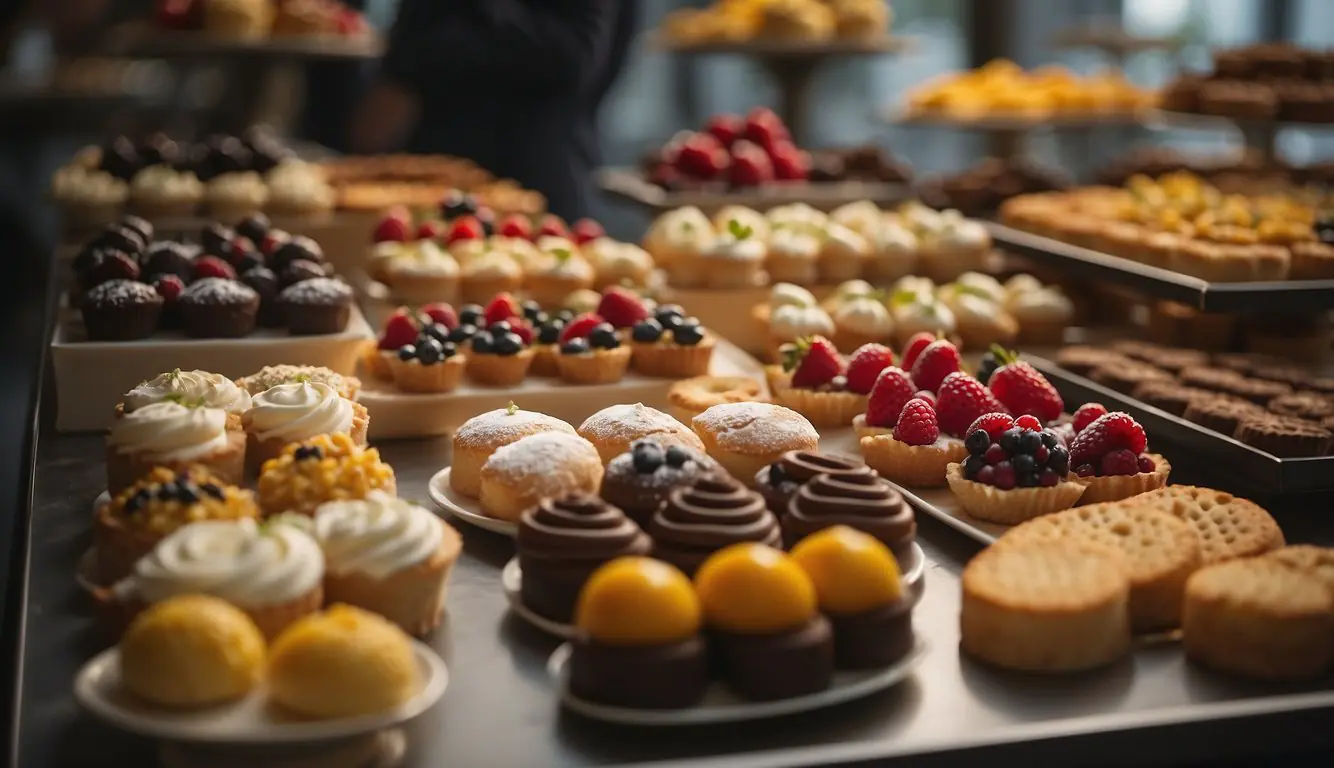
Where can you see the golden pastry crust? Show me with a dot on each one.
(1229, 527)
(914, 466)
(691, 397)
(598, 366)
(745, 437)
(986, 502)
(1117, 487)
(1316, 561)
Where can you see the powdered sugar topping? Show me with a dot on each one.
(544, 454)
(761, 427)
(121, 293)
(629, 422)
(502, 426)
(219, 290)
(317, 290)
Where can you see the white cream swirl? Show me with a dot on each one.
(783, 294)
(292, 412)
(862, 217)
(1021, 283)
(844, 242)
(794, 243)
(738, 248)
(892, 236)
(923, 314)
(792, 322)
(209, 389)
(743, 216)
(865, 316)
(1043, 304)
(379, 536)
(984, 285)
(240, 561)
(963, 233)
(169, 431)
(684, 228)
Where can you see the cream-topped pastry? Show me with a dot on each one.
(1048, 303)
(914, 288)
(843, 253)
(236, 191)
(163, 186)
(210, 390)
(271, 376)
(958, 232)
(894, 249)
(782, 294)
(378, 536)
(983, 285)
(790, 322)
(797, 215)
(793, 254)
(682, 229)
(738, 247)
(170, 432)
(1021, 283)
(299, 187)
(746, 217)
(849, 290)
(866, 317)
(554, 243)
(492, 264)
(621, 263)
(922, 220)
(922, 314)
(565, 263)
(862, 217)
(77, 185)
(292, 412)
(425, 259)
(735, 259)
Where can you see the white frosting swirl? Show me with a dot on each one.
(740, 249)
(1022, 283)
(923, 314)
(292, 412)
(491, 265)
(1043, 304)
(240, 561)
(862, 217)
(569, 265)
(379, 536)
(865, 316)
(209, 389)
(792, 322)
(794, 243)
(962, 232)
(892, 236)
(746, 217)
(783, 294)
(918, 287)
(843, 242)
(797, 215)
(684, 228)
(425, 259)
(982, 284)
(169, 431)
(971, 307)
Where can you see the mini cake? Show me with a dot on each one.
(1004, 481)
(894, 250)
(638, 641)
(273, 572)
(735, 259)
(270, 376)
(499, 357)
(545, 465)
(316, 306)
(598, 357)
(215, 307)
(615, 428)
(914, 314)
(175, 436)
(843, 254)
(488, 275)
(561, 272)
(562, 541)
(344, 662)
(298, 188)
(616, 263)
(191, 652)
(859, 588)
(121, 310)
(764, 625)
(863, 502)
(639, 480)
(915, 453)
(778, 483)
(136, 519)
(707, 515)
(862, 320)
(421, 272)
(671, 345)
(318, 470)
(746, 437)
(289, 413)
(788, 322)
(1043, 315)
(792, 255)
(814, 383)
(483, 435)
(388, 556)
(160, 190)
(233, 196)
(1107, 457)
(691, 397)
(209, 390)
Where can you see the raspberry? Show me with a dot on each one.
(993, 423)
(891, 391)
(442, 314)
(168, 287)
(399, 331)
(502, 307)
(917, 424)
(914, 348)
(392, 228)
(1029, 423)
(212, 266)
(865, 365)
(1146, 464)
(431, 229)
(1023, 389)
(1085, 470)
(465, 228)
(1048, 478)
(1004, 478)
(930, 397)
(1087, 414)
(524, 330)
(622, 308)
(995, 454)
(817, 363)
(1120, 462)
(580, 326)
(1110, 432)
(938, 360)
(517, 226)
(961, 401)
(586, 231)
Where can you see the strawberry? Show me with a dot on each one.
(168, 286)
(865, 365)
(524, 330)
(790, 163)
(399, 330)
(622, 308)
(961, 400)
(442, 314)
(517, 226)
(725, 128)
(431, 229)
(938, 360)
(765, 128)
(1086, 415)
(552, 226)
(1110, 432)
(751, 166)
(1029, 423)
(993, 423)
(273, 240)
(503, 307)
(916, 344)
(1023, 389)
(392, 229)
(892, 389)
(813, 362)
(465, 228)
(586, 231)
(580, 326)
(702, 156)
(212, 266)
(917, 424)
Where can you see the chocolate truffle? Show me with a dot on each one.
(562, 541)
(779, 481)
(865, 502)
(639, 480)
(711, 513)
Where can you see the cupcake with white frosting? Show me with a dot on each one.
(1043, 314)
(617, 263)
(176, 436)
(736, 259)
(87, 195)
(194, 388)
(290, 413)
(982, 285)
(862, 217)
(677, 241)
(894, 250)
(272, 571)
(1021, 283)
(979, 316)
(790, 322)
(863, 320)
(915, 313)
(388, 556)
(298, 188)
(561, 271)
(234, 196)
(793, 255)
(160, 190)
(797, 215)
(843, 254)
(270, 376)
(422, 274)
(953, 246)
(747, 217)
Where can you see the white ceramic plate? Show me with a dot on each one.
(466, 509)
(252, 720)
(511, 578)
(720, 705)
(102, 499)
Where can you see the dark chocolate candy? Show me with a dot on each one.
(646, 677)
(777, 666)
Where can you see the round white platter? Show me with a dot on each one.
(465, 509)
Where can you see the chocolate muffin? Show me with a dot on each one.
(1311, 406)
(1125, 376)
(1083, 360)
(1322, 384)
(864, 502)
(1210, 378)
(1284, 436)
(1257, 391)
(121, 310)
(299, 248)
(265, 283)
(216, 307)
(318, 306)
(166, 257)
(639, 480)
(1169, 395)
(1222, 413)
(711, 513)
(779, 481)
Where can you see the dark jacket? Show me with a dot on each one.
(514, 85)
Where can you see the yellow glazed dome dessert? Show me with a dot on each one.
(638, 641)
(772, 642)
(859, 587)
(321, 469)
(191, 651)
(343, 662)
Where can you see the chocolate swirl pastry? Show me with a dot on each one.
(711, 513)
(562, 541)
(779, 481)
(639, 480)
(864, 502)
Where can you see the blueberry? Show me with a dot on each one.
(436, 332)
(647, 458)
(1026, 479)
(186, 493)
(483, 343)
(1058, 460)
(531, 310)
(470, 314)
(138, 500)
(647, 331)
(214, 490)
(987, 367)
(500, 328)
(566, 315)
(407, 352)
(1025, 464)
(462, 333)
(776, 475)
(457, 203)
(247, 262)
(575, 346)
(549, 332)
(167, 491)
(688, 335)
(972, 465)
(1009, 440)
(539, 319)
(603, 337)
(308, 452)
(677, 456)
(508, 344)
(1029, 442)
(430, 351)
(1049, 438)
(668, 310)
(978, 442)
(449, 349)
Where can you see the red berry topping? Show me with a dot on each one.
(1004, 478)
(938, 360)
(516, 225)
(813, 362)
(914, 348)
(1048, 479)
(503, 307)
(524, 330)
(1022, 389)
(553, 226)
(993, 423)
(431, 229)
(930, 397)
(580, 326)
(212, 266)
(917, 424)
(1120, 462)
(1041, 455)
(442, 314)
(961, 401)
(273, 241)
(392, 229)
(891, 391)
(1028, 422)
(586, 231)
(1146, 464)
(113, 265)
(168, 287)
(995, 454)
(465, 228)
(1087, 414)
(622, 308)
(865, 365)
(987, 474)
(399, 331)
(239, 248)
(1111, 432)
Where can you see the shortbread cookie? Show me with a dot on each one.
(1055, 605)
(1259, 618)
(1229, 527)
(1316, 561)
(1161, 552)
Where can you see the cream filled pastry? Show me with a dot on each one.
(170, 432)
(866, 318)
(378, 536)
(210, 390)
(786, 293)
(790, 322)
(292, 412)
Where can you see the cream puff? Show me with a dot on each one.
(745, 437)
(483, 435)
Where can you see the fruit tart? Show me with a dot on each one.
(1015, 471)
(499, 353)
(431, 363)
(814, 383)
(1108, 458)
(671, 345)
(591, 352)
(915, 453)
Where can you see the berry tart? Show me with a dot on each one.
(499, 355)
(546, 340)
(431, 363)
(591, 352)
(914, 453)
(1107, 457)
(814, 383)
(671, 345)
(1015, 471)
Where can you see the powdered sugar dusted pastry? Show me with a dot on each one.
(613, 429)
(482, 435)
(745, 437)
(542, 466)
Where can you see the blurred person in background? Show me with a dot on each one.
(513, 85)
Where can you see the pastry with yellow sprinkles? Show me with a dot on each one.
(324, 468)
